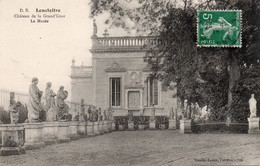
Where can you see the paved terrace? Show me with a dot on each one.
(147, 148)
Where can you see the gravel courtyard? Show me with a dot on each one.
(147, 148)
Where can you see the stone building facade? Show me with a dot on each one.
(120, 78)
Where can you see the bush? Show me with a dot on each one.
(4, 116)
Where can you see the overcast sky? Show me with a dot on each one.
(44, 50)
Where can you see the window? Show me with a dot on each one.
(152, 91)
(115, 91)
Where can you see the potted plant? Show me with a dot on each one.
(142, 122)
(121, 122)
(162, 121)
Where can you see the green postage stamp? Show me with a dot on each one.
(219, 28)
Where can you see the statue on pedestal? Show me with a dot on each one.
(13, 109)
(171, 114)
(99, 114)
(105, 115)
(51, 109)
(34, 104)
(130, 116)
(63, 108)
(252, 106)
(82, 111)
(152, 113)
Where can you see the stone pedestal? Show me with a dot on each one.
(82, 129)
(185, 126)
(96, 128)
(113, 125)
(74, 130)
(100, 127)
(130, 125)
(50, 133)
(63, 132)
(141, 127)
(172, 124)
(121, 127)
(90, 128)
(152, 125)
(33, 136)
(12, 139)
(253, 125)
(110, 128)
(106, 127)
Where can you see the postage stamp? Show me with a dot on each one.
(219, 28)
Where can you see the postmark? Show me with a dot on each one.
(219, 28)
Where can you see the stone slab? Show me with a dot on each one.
(253, 125)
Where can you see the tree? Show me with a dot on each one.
(209, 76)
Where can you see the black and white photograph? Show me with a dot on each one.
(129, 82)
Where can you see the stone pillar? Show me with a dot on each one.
(152, 125)
(100, 127)
(50, 133)
(33, 136)
(253, 125)
(185, 126)
(90, 128)
(172, 124)
(74, 130)
(130, 125)
(12, 139)
(82, 129)
(106, 127)
(96, 128)
(63, 132)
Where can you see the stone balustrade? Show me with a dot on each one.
(125, 42)
(16, 138)
(81, 71)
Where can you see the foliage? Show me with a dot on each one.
(162, 119)
(121, 120)
(5, 116)
(217, 77)
(141, 120)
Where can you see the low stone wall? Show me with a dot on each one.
(220, 128)
(16, 138)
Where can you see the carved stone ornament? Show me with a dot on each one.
(114, 67)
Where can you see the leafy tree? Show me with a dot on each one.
(219, 77)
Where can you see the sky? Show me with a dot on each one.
(45, 50)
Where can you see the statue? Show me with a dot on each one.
(99, 114)
(152, 113)
(51, 110)
(63, 108)
(252, 106)
(105, 115)
(130, 115)
(94, 28)
(90, 117)
(186, 109)
(13, 109)
(34, 104)
(171, 114)
(82, 111)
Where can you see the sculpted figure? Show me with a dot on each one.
(104, 115)
(130, 115)
(153, 113)
(34, 104)
(51, 110)
(252, 106)
(13, 109)
(171, 114)
(82, 111)
(90, 117)
(63, 108)
(99, 114)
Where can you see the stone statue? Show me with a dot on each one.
(105, 115)
(51, 109)
(90, 117)
(63, 108)
(99, 114)
(171, 114)
(82, 111)
(94, 28)
(13, 109)
(152, 113)
(130, 115)
(252, 106)
(34, 104)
